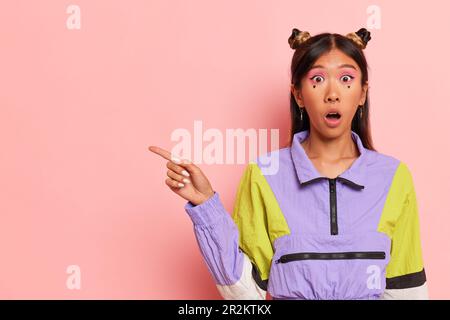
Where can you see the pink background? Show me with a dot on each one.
(78, 109)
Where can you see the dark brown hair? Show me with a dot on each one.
(307, 51)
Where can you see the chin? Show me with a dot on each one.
(333, 133)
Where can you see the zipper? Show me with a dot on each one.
(350, 183)
(333, 207)
(331, 256)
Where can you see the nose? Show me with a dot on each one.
(332, 98)
(332, 94)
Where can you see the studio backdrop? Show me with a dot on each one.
(86, 86)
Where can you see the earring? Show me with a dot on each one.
(301, 114)
(360, 112)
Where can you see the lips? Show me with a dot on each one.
(333, 114)
(333, 118)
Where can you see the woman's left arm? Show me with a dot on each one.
(405, 274)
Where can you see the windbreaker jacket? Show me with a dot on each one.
(300, 235)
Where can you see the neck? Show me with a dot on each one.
(327, 149)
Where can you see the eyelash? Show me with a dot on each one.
(347, 75)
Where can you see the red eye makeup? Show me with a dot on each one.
(316, 77)
(349, 73)
(347, 78)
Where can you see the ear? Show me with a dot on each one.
(297, 95)
(365, 87)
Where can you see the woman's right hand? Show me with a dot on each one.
(185, 178)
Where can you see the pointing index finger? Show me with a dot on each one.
(164, 153)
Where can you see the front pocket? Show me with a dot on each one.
(310, 266)
(331, 256)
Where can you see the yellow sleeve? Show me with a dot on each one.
(405, 268)
(259, 220)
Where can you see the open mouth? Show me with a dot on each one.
(333, 115)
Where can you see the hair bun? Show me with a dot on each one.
(297, 37)
(360, 37)
(364, 34)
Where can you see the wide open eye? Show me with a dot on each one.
(317, 77)
(347, 78)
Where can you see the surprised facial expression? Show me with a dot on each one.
(332, 85)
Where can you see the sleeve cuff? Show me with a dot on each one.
(206, 213)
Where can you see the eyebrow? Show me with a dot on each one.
(341, 66)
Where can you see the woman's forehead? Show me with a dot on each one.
(335, 59)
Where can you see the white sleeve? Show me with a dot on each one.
(415, 293)
(245, 288)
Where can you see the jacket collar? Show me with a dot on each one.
(307, 173)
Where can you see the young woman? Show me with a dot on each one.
(338, 220)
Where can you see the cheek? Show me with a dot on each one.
(312, 96)
(310, 84)
(352, 91)
(313, 88)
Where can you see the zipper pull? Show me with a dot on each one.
(281, 259)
